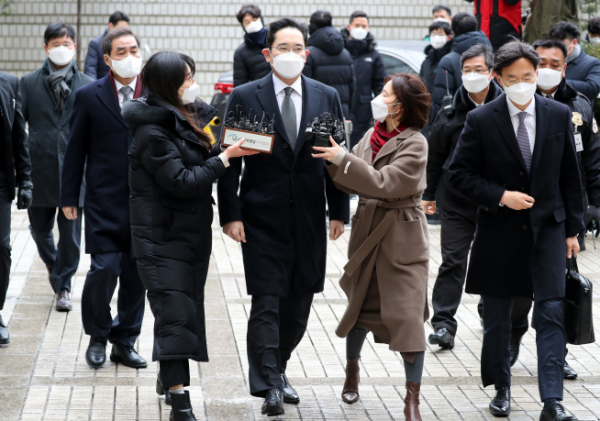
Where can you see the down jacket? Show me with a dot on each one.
(170, 181)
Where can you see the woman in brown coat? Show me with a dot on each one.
(386, 275)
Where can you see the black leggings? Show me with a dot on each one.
(174, 372)
(354, 343)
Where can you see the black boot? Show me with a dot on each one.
(181, 407)
(160, 390)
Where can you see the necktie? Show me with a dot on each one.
(126, 91)
(523, 140)
(288, 112)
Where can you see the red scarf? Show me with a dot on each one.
(380, 136)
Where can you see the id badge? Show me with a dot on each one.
(578, 142)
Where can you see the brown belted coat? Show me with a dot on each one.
(385, 278)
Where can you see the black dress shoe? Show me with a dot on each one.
(273, 403)
(556, 412)
(95, 355)
(127, 356)
(568, 372)
(443, 338)
(500, 405)
(4, 335)
(515, 347)
(289, 393)
(63, 302)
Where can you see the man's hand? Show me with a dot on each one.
(70, 212)
(336, 229)
(429, 206)
(572, 247)
(235, 230)
(25, 197)
(517, 200)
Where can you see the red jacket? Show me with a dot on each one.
(500, 20)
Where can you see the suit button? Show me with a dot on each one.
(521, 173)
(285, 146)
(524, 227)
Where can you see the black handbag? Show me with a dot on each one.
(579, 322)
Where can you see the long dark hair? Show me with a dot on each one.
(163, 75)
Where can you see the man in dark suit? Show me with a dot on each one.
(279, 215)
(99, 135)
(48, 96)
(516, 161)
(15, 171)
(94, 66)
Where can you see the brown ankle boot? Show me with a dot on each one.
(350, 391)
(411, 402)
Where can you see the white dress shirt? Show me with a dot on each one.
(280, 86)
(119, 85)
(529, 120)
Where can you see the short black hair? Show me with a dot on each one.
(476, 51)
(463, 23)
(117, 17)
(251, 9)
(564, 30)
(283, 23)
(441, 7)
(551, 43)
(58, 30)
(115, 34)
(441, 25)
(321, 19)
(593, 26)
(513, 51)
(358, 14)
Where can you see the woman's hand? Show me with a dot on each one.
(328, 153)
(235, 151)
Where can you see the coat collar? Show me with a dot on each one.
(392, 144)
(107, 95)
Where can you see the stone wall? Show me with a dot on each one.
(207, 30)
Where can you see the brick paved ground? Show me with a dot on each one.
(43, 374)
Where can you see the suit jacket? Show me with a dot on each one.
(99, 134)
(282, 196)
(48, 132)
(583, 74)
(17, 166)
(95, 67)
(519, 253)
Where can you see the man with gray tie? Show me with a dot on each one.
(279, 215)
(100, 136)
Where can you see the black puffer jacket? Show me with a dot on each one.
(443, 137)
(451, 64)
(369, 73)
(249, 63)
(330, 63)
(431, 62)
(170, 181)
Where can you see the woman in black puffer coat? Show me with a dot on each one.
(170, 179)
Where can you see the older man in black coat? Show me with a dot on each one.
(98, 144)
(48, 96)
(15, 171)
(279, 215)
(516, 161)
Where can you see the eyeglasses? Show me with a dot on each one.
(478, 71)
(529, 79)
(284, 49)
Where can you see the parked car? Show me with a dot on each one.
(397, 56)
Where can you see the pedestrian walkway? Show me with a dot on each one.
(44, 376)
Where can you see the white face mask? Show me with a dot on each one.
(288, 65)
(595, 40)
(475, 82)
(380, 109)
(254, 26)
(440, 19)
(190, 94)
(437, 41)
(548, 78)
(520, 93)
(358, 33)
(127, 68)
(61, 56)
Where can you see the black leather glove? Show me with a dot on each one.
(25, 195)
